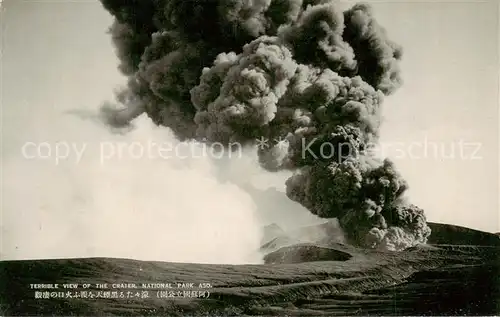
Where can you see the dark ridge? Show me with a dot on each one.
(270, 233)
(451, 234)
(444, 234)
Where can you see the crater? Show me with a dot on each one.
(305, 253)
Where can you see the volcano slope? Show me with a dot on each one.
(457, 273)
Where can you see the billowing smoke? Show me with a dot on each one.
(103, 200)
(301, 74)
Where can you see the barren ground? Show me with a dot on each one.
(458, 273)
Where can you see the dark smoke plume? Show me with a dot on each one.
(298, 71)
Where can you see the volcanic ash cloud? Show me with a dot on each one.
(299, 71)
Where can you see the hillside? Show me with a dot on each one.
(300, 279)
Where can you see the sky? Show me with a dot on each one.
(440, 128)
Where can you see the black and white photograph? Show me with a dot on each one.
(249, 158)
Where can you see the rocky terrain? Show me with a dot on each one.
(457, 273)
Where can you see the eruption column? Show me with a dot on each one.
(301, 71)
